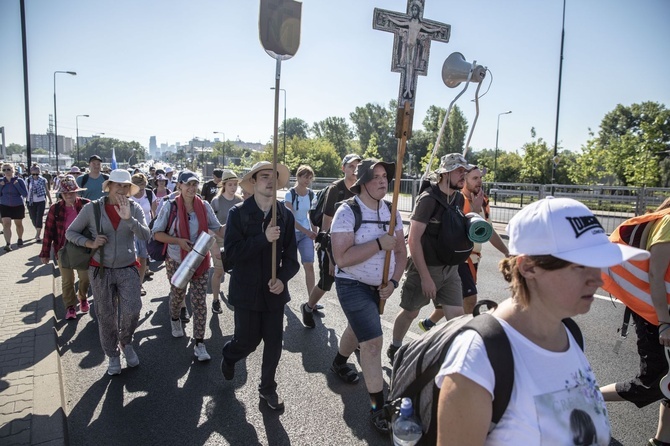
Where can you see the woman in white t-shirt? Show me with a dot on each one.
(557, 247)
(359, 255)
(298, 200)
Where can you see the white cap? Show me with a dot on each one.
(568, 230)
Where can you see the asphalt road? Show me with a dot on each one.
(171, 398)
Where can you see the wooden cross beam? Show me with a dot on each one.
(411, 49)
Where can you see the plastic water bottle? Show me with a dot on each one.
(406, 428)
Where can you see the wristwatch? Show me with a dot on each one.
(394, 282)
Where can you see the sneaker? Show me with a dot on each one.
(345, 372)
(307, 316)
(391, 352)
(216, 307)
(131, 357)
(114, 367)
(38, 240)
(19, 242)
(426, 324)
(273, 401)
(380, 422)
(227, 370)
(318, 307)
(201, 352)
(84, 306)
(71, 313)
(177, 330)
(184, 316)
(143, 292)
(8, 248)
(148, 273)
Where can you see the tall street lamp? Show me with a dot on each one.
(495, 162)
(76, 120)
(281, 89)
(223, 149)
(71, 73)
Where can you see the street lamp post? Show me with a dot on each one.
(76, 119)
(223, 148)
(72, 73)
(495, 158)
(281, 89)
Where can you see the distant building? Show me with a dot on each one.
(153, 148)
(65, 143)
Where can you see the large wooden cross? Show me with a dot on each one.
(411, 49)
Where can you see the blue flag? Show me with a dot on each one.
(114, 165)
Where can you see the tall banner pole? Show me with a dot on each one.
(411, 50)
(279, 32)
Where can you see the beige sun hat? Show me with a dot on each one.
(120, 176)
(282, 173)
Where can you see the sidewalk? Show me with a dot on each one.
(32, 404)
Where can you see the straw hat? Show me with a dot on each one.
(282, 172)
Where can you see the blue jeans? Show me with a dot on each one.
(360, 303)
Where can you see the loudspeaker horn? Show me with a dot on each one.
(456, 70)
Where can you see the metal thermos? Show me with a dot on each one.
(192, 260)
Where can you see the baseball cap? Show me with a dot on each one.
(566, 229)
(349, 158)
(187, 176)
(94, 158)
(217, 173)
(453, 161)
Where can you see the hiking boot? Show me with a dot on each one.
(426, 324)
(391, 352)
(71, 313)
(84, 306)
(8, 248)
(216, 307)
(227, 369)
(184, 316)
(307, 316)
(345, 373)
(19, 242)
(131, 357)
(201, 352)
(114, 367)
(177, 330)
(273, 401)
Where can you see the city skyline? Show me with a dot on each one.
(178, 71)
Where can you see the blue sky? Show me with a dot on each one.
(183, 69)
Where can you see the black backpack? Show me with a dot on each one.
(84, 179)
(294, 197)
(416, 364)
(358, 213)
(319, 202)
(453, 244)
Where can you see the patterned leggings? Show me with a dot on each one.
(198, 299)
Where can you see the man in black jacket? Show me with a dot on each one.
(258, 300)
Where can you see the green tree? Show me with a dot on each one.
(453, 138)
(537, 161)
(14, 148)
(373, 150)
(294, 127)
(337, 131)
(509, 167)
(317, 153)
(374, 118)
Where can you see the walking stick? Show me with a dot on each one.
(402, 144)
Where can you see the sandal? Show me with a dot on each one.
(346, 373)
(380, 422)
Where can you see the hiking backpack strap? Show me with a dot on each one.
(97, 213)
(358, 213)
(575, 331)
(84, 180)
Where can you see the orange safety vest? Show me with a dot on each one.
(629, 282)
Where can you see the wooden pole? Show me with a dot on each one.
(402, 145)
(273, 220)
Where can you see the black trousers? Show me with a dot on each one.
(36, 212)
(252, 327)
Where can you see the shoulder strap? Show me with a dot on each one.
(293, 195)
(150, 195)
(97, 212)
(84, 180)
(576, 332)
(311, 195)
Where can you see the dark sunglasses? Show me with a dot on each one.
(35, 174)
(6, 170)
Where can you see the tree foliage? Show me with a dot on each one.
(375, 119)
(319, 154)
(295, 127)
(337, 131)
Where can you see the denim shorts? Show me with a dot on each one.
(141, 249)
(360, 303)
(305, 247)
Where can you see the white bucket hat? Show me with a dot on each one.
(120, 176)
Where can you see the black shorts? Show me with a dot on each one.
(644, 389)
(13, 212)
(468, 282)
(325, 279)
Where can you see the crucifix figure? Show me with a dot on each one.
(411, 44)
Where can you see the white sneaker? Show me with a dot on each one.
(114, 367)
(177, 330)
(131, 357)
(201, 352)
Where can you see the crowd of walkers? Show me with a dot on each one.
(553, 262)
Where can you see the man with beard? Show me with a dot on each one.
(428, 277)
